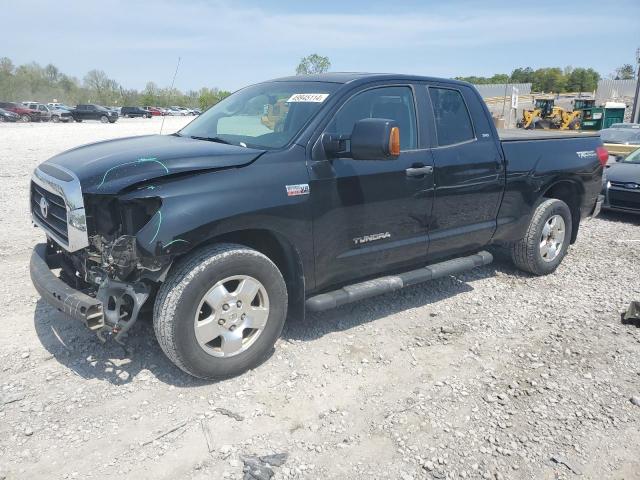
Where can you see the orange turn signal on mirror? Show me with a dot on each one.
(394, 142)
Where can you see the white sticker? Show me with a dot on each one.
(308, 97)
(296, 190)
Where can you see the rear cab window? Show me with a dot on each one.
(452, 119)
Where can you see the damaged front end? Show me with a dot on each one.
(108, 282)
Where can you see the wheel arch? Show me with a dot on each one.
(280, 251)
(571, 193)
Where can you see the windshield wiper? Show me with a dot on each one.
(211, 139)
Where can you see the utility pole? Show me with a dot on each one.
(635, 111)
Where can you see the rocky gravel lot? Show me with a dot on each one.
(491, 374)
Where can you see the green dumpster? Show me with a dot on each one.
(597, 118)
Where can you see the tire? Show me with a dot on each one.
(2, 119)
(25, 118)
(180, 306)
(79, 120)
(104, 119)
(534, 253)
(55, 119)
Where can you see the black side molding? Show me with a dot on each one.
(371, 288)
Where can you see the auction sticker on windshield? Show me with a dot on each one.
(308, 97)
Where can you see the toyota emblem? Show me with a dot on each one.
(44, 207)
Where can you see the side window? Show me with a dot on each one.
(394, 103)
(453, 123)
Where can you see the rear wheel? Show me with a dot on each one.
(220, 311)
(546, 241)
(104, 119)
(55, 119)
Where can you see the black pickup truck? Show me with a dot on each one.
(299, 193)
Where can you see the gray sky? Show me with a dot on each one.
(230, 44)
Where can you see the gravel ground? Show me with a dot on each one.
(489, 374)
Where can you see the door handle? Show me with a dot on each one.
(419, 171)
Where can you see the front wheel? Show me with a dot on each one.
(55, 119)
(220, 311)
(25, 118)
(546, 240)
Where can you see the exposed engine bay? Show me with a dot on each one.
(112, 269)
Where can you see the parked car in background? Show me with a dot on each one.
(7, 116)
(625, 125)
(26, 114)
(60, 115)
(94, 112)
(622, 184)
(59, 105)
(174, 111)
(132, 112)
(154, 111)
(629, 134)
(197, 111)
(45, 113)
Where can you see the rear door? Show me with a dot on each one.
(81, 112)
(469, 171)
(370, 216)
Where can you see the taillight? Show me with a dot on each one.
(603, 155)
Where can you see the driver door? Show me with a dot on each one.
(370, 216)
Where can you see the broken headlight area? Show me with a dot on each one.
(113, 225)
(112, 269)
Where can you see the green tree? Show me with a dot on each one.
(207, 97)
(582, 80)
(549, 80)
(625, 72)
(150, 95)
(313, 63)
(522, 75)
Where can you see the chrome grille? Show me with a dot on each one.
(65, 221)
(56, 218)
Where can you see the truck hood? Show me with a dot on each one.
(624, 172)
(110, 166)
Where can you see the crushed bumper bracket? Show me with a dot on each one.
(54, 291)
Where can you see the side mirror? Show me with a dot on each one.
(370, 139)
(375, 139)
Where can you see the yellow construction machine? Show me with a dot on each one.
(546, 115)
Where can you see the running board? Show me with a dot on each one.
(371, 288)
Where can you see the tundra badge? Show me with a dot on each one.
(371, 238)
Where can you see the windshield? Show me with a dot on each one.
(633, 157)
(620, 135)
(267, 115)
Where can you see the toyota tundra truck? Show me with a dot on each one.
(299, 194)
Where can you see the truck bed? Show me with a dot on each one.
(517, 134)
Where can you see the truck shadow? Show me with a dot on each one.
(79, 350)
(349, 316)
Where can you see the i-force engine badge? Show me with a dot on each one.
(295, 190)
